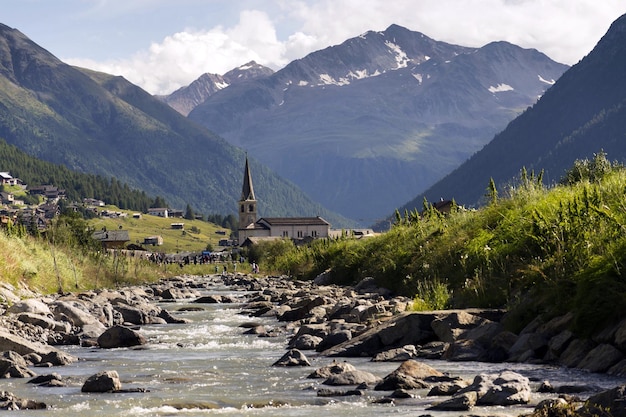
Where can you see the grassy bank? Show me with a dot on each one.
(535, 251)
(47, 268)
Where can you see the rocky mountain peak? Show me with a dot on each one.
(185, 99)
(379, 116)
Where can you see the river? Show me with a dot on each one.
(210, 368)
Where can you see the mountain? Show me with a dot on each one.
(102, 124)
(366, 125)
(583, 113)
(185, 99)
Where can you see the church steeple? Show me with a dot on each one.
(247, 203)
(247, 191)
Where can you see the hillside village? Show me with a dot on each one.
(36, 206)
(41, 207)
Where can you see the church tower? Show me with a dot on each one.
(247, 202)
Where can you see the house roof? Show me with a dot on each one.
(293, 221)
(247, 191)
(112, 236)
(5, 175)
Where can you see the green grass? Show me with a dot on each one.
(535, 251)
(195, 237)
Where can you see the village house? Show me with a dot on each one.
(7, 179)
(153, 240)
(159, 211)
(93, 202)
(175, 213)
(50, 192)
(7, 198)
(303, 228)
(178, 226)
(112, 239)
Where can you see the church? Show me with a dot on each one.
(251, 228)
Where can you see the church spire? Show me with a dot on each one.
(247, 191)
(247, 203)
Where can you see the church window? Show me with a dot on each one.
(251, 207)
(285, 233)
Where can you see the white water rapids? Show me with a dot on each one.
(210, 368)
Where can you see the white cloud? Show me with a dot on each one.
(182, 57)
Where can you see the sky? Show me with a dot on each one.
(162, 45)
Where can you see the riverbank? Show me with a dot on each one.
(315, 320)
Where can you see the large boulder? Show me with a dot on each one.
(142, 313)
(410, 374)
(575, 352)
(8, 294)
(106, 381)
(30, 305)
(465, 350)
(333, 339)
(396, 355)
(333, 369)
(404, 329)
(306, 342)
(601, 358)
(302, 311)
(462, 402)
(611, 402)
(120, 336)
(78, 314)
(14, 369)
(293, 358)
(355, 377)
(449, 327)
(45, 322)
(9, 401)
(506, 388)
(25, 347)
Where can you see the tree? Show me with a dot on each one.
(492, 191)
(189, 214)
(158, 202)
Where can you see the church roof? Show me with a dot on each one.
(290, 221)
(247, 191)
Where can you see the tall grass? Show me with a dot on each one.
(43, 267)
(532, 250)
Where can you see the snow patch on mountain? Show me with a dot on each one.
(401, 58)
(543, 80)
(500, 88)
(328, 80)
(418, 77)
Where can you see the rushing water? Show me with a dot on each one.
(209, 367)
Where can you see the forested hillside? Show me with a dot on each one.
(102, 124)
(33, 171)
